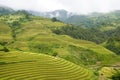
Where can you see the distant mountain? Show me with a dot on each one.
(91, 20)
(111, 19)
(59, 14)
(105, 20)
(5, 10)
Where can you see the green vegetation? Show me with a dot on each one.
(21, 32)
(104, 21)
(90, 34)
(113, 45)
(116, 76)
(21, 65)
(54, 19)
(109, 39)
(110, 72)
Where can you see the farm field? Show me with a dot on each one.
(32, 66)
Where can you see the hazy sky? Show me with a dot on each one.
(78, 6)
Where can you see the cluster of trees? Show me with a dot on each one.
(90, 34)
(113, 41)
(113, 44)
(54, 19)
(15, 25)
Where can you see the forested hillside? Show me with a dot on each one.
(100, 20)
(108, 37)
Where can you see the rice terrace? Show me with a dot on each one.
(32, 66)
(59, 44)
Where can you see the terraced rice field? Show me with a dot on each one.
(107, 72)
(31, 66)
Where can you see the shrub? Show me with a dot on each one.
(55, 54)
(2, 63)
(6, 49)
(41, 48)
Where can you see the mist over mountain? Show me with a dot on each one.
(59, 14)
(94, 19)
(5, 10)
(91, 20)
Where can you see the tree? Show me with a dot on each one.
(55, 54)
(54, 19)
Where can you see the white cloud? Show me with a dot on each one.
(33, 4)
(79, 6)
(86, 6)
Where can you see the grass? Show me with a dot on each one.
(21, 65)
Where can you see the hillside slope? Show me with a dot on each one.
(33, 34)
(22, 32)
(30, 66)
